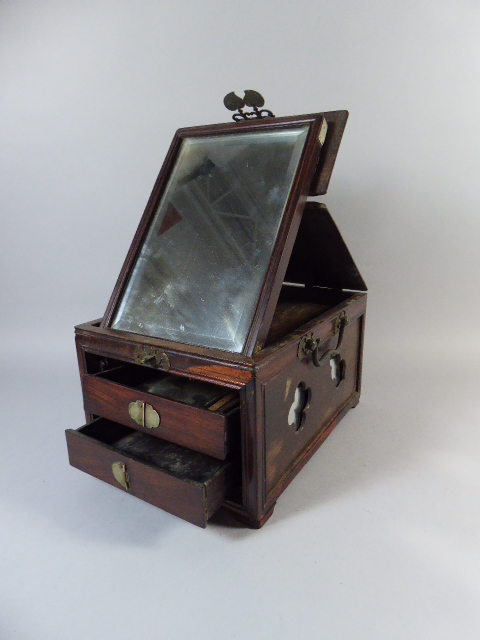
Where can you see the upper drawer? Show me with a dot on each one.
(196, 415)
(188, 484)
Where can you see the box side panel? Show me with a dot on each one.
(301, 402)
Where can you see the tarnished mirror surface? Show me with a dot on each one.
(200, 270)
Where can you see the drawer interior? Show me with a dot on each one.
(177, 461)
(191, 485)
(298, 304)
(194, 393)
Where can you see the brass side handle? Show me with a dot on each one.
(309, 344)
(144, 414)
(340, 324)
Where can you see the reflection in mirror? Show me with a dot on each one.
(201, 267)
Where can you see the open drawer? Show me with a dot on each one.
(188, 484)
(193, 414)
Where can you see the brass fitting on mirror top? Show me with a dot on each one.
(250, 99)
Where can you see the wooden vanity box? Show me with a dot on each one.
(232, 344)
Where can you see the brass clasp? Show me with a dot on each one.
(146, 355)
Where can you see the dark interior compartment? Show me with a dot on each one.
(299, 304)
(194, 393)
(170, 458)
(97, 364)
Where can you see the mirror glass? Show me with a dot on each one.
(200, 270)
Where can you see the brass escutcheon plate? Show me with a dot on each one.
(136, 411)
(150, 355)
(152, 418)
(120, 474)
(144, 414)
(162, 361)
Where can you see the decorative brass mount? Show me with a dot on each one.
(144, 414)
(120, 474)
(147, 355)
(250, 99)
(309, 343)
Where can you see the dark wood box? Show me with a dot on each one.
(191, 428)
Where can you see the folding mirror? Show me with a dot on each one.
(197, 273)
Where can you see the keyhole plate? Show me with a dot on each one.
(144, 414)
(120, 474)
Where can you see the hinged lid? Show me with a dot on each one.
(320, 256)
(336, 122)
(210, 254)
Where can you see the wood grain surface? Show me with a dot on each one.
(92, 450)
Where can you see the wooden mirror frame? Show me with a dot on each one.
(306, 174)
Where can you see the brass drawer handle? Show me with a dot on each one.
(120, 474)
(144, 414)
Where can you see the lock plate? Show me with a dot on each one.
(136, 412)
(152, 418)
(120, 474)
(151, 356)
(144, 414)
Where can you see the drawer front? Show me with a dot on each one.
(194, 499)
(198, 429)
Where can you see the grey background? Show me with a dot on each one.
(379, 535)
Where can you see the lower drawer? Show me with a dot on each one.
(185, 483)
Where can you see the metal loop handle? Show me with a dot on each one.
(312, 344)
(340, 325)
